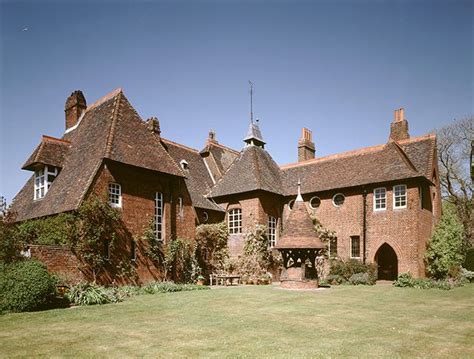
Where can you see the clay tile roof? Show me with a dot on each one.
(198, 179)
(253, 170)
(389, 162)
(51, 151)
(110, 128)
(299, 232)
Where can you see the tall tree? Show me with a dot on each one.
(455, 152)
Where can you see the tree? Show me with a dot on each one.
(455, 152)
(444, 251)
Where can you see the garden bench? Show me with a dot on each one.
(223, 279)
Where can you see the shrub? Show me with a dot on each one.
(346, 269)
(169, 287)
(445, 247)
(360, 279)
(335, 279)
(407, 280)
(91, 294)
(26, 285)
(212, 252)
(469, 260)
(467, 275)
(57, 229)
(10, 244)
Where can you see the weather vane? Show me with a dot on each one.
(251, 101)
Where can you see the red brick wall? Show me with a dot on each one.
(60, 260)
(138, 206)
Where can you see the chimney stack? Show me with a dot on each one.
(399, 126)
(153, 125)
(306, 148)
(74, 108)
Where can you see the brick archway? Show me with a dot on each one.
(387, 262)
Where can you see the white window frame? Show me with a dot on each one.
(340, 205)
(42, 181)
(351, 254)
(272, 231)
(115, 195)
(380, 200)
(158, 217)
(291, 203)
(330, 248)
(315, 197)
(234, 220)
(398, 196)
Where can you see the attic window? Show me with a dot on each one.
(184, 164)
(44, 177)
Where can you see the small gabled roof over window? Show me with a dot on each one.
(50, 152)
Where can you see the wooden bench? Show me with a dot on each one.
(223, 279)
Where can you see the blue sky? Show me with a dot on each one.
(339, 68)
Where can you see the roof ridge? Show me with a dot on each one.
(223, 147)
(54, 139)
(359, 151)
(179, 145)
(113, 126)
(105, 98)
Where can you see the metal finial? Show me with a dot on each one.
(299, 198)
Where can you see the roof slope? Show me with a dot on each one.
(253, 170)
(389, 162)
(109, 128)
(198, 179)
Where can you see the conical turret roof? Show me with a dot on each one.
(299, 232)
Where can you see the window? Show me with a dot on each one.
(314, 202)
(272, 225)
(133, 250)
(115, 195)
(184, 164)
(338, 200)
(180, 208)
(290, 204)
(333, 247)
(158, 230)
(235, 221)
(205, 216)
(380, 199)
(400, 196)
(355, 247)
(43, 180)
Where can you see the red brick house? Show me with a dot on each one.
(382, 201)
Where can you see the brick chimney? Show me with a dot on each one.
(399, 126)
(153, 125)
(306, 148)
(74, 107)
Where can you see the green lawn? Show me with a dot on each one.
(259, 321)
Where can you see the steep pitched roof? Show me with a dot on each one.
(253, 170)
(299, 230)
(110, 128)
(198, 179)
(218, 158)
(392, 161)
(51, 151)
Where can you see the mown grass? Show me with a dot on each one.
(263, 321)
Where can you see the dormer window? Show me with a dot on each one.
(44, 177)
(184, 164)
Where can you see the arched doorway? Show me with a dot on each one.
(387, 263)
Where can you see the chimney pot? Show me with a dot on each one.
(306, 148)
